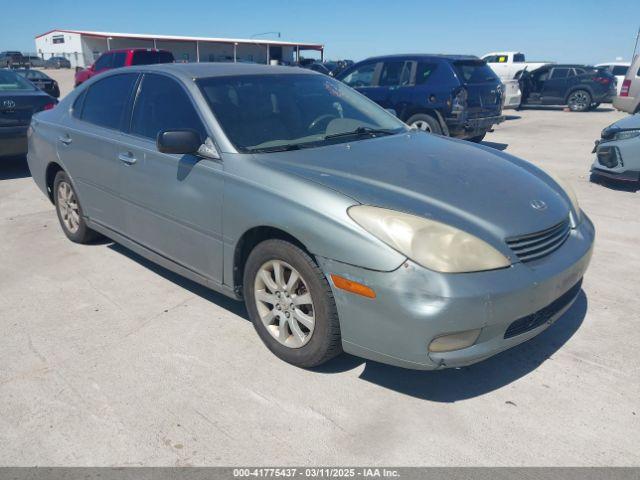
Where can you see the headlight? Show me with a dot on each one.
(626, 134)
(564, 185)
(432, 244)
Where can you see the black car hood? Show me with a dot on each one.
(477, 188)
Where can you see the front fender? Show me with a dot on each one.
(258, 196)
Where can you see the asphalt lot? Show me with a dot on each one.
(106, 359)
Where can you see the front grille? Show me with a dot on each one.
(543, 315)
(536, 245)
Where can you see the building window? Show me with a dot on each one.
(57, 39)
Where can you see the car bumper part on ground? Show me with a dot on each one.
(473, 127)
(414, 305)
(13, 141)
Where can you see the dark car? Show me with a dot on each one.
(12, 59)
(57, 63)
(41, 80)
(318, 67)
(123, 58)
(34, 61)
(580, 87)
(335, 67)
(454, 95)
(19, 99)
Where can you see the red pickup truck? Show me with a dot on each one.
(123, 58)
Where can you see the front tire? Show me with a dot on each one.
(70, 212)
(425, 123)
(291, 304)
(579, 101)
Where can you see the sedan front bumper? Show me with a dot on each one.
(414, 305)
(13, 141)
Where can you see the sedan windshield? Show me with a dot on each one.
(265, 113)
(11, 81)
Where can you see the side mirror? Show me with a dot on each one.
(180, 142)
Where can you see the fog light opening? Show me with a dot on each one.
(454, 341)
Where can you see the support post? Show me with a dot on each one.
(297, 53)
(322, 55)
(235, 52)
(268, 55)
(155, 45)
(108, 43)
(197, 51)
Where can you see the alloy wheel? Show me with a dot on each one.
(579, 100)
(421, 125)
(68, 206)
(284, 303)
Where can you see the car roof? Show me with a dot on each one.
(219, 69)
(615, 64)
(438, 56)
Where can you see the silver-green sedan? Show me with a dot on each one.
(342, 229)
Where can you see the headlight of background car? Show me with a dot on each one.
(432, 244)
(564, 185)
(626, 134)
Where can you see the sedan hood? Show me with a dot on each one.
(630, 122)
(476, 188)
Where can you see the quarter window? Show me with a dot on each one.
(424, 72)
(560, 73)
(362, 76)
(106, 101)
(620, 70)
(162, 104)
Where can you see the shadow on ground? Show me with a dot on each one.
(497, 146)
(438, 386)
(14, 167)
(560, 108)
(453, 385)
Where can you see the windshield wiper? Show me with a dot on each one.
(361, 131)
(276, 148)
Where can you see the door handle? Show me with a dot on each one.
(66, 140)
(127, 158)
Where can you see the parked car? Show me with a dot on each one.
(340, 227)
(41, 80)
(12, 59)
(452, 95)
(335, 67)
(618, 151)
(34, 61)
(57, 63)
(580, 87)
(123, 58)
(19, 99)
(629, 98)
(318, 67)
(618, 70)
(509, 65)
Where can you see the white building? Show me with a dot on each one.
(82, 47)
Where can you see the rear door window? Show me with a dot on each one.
(119, 59)
(395, 73)
(106, 101)
(560, 73)
(518, 58)
(103, 62)
(149, 57)
(361, 76)
(163, 104)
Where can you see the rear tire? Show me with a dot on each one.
(579, 101)
(70, 212)
(296, 319)
(425, 123)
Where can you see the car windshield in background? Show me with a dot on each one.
(474, 71)
(11, 81)
(150, 57)
(266, 113)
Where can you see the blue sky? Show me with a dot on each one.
(586, 31)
